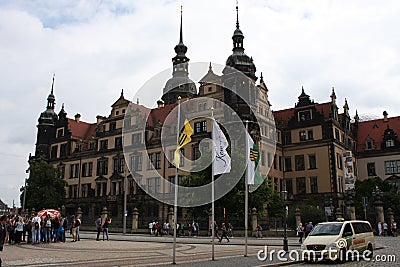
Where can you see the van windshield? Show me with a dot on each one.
(326, 229)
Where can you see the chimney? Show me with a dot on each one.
(160, 104)
(77, 117)
(385, 116)
(99, 119)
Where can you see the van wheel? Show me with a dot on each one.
(371, 251)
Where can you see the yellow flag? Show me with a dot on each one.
(184, 138)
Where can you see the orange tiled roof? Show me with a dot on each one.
(375, 129)
(81, 130)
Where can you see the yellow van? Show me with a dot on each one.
(339, 241)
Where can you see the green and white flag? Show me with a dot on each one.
(253, 175)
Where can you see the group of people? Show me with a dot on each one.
(303, 230)
(102, 226)
(36, 229)
(385, 230)
(190, 229)
(222, 232)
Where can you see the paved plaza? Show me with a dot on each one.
(141, 250)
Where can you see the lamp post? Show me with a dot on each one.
(285, 239)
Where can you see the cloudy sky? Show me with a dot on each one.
(96, 48)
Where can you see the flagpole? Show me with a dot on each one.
(246, 200)
(176, 184)
(212, 196)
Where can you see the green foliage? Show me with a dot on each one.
(44, 187)
(390, 197)
(309, 213)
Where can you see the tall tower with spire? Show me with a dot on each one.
(179, 84)
(239, 76)
(46, 125)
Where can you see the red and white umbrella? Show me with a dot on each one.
(52, 212)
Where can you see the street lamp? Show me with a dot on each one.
(285, 239)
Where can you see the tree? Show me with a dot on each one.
(44, 187)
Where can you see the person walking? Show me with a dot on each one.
(394, 229)
(98, 226)
(300, 232)
(3, 232)
(309, 227)
(78, 223)
(385, 228)
(224, 233)
(105, 227)
(379, 228)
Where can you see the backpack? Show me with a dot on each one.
(36, 225)
(77, 223)
(48, 223)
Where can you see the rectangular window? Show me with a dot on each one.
(157, 185)
(60, 133)
(200, 127)
(84, 190)
(116, 165)
(314, 184)
(288, 164)
(104, 189)
(310, 135)
(118, 142)
(276, 184)
(54, 150)
(339, 160)
(269, 157)
(74, 171)
(103, 144)
(158, 160)
(280, 163)
(262, 157)
(121, 168)
(196, 153)
(63, 150)
(150, 165)
(302, 135)
(171, 158)
(287, 138)
(182, 159)
(289, 186)
(275, 164)
(172, 182)
(136, 139)
(113, 125)
(61, 170)
(102, 167)
(392, 167)
(301, 185)
(136, 162)
(337, 135)
(305, 115)
(299, 159)
(150, 185)
(371, 169)
(312, 161)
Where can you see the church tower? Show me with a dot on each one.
(179, 84)
(46, 126)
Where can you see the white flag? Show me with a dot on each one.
(222, 160)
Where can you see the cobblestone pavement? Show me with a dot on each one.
(389, 249)
(136, 250)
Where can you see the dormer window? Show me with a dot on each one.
(389, 143)
(305, 115)
(369, 143)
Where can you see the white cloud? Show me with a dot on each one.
(96, 48)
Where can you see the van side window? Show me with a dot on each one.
(347, 230)
(358, 228)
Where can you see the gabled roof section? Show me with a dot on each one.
(121, 101)
(101, 178)
(159, 115)
(81, 130)
(376, 129)
(210, 77)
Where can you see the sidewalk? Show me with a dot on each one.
(252, 241)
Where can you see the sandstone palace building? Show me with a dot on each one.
(311, 139)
